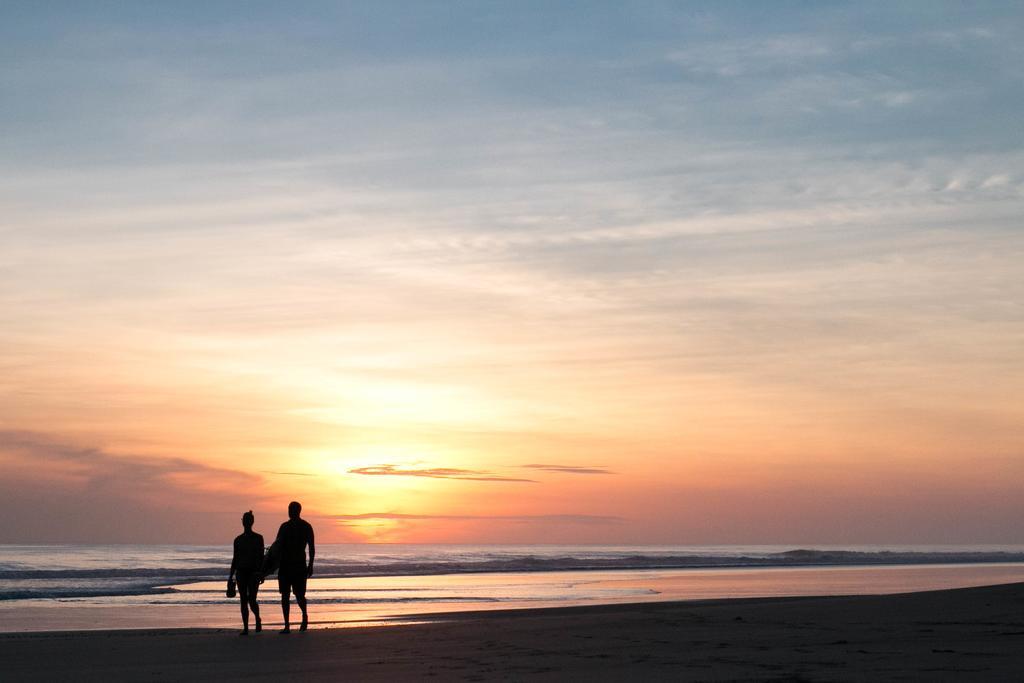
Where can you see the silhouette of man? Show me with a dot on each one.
(292, 539)
(245, 567)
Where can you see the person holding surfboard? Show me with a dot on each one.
(292, 539)
(245, 567)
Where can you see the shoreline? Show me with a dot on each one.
(963, 633)
(354, 602)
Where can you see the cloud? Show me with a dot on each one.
(289, 474)
(56, 492)
(101, 470)
(555, 518)
(568, 469)
(732, 59)
(549, 227)
(435, 473)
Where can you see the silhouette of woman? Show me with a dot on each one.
(245, 567)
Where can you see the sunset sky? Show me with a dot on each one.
(624, 272)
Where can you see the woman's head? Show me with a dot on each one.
(248, 520)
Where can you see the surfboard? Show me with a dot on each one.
(272, 560)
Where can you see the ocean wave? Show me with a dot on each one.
(59, 594)
(174, 573)
(531, 563)
(25, 582)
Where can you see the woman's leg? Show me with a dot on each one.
(243, 599)
(254, 605)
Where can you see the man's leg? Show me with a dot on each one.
(302, 606)
(300, 597)
(285, 600)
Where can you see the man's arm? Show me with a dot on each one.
(234, 560)
(312, 551)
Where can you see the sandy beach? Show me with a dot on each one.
(962, 634)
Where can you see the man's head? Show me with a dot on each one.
(248, 520)
(294, 508)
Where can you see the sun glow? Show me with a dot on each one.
(440, 292)
(374, 403)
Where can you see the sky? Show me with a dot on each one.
(522, 272)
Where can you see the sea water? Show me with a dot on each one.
(128, 586)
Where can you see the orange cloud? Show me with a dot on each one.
(435, 473)
(568, 469)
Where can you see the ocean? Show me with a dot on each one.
(134, 586)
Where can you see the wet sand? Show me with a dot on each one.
(962, 634)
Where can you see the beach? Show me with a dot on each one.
(962, 634)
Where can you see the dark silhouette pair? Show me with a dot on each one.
(287, 555)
